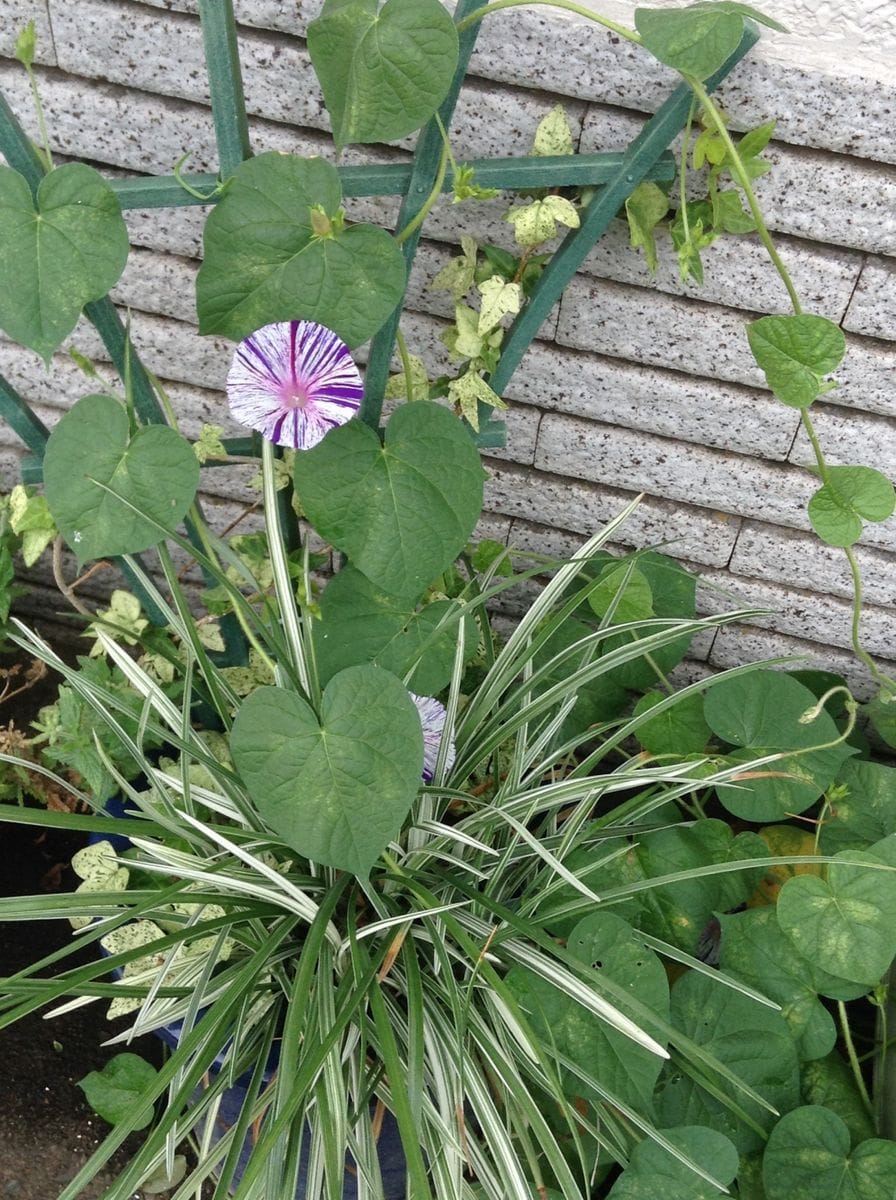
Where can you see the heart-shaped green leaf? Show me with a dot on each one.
(807, 1157)
(335, 788)
(762, 712)
(864, 809)
(751, 1040)
(829, 1082)
(264, 262)
(628, 1071)
(625, 591)
(679, 730)
(849, 494)
(111, 493)
(383, 73)
(676, 912)
(699, 39)
(846, 924)
(755, 949)
(795, 352)
(361, 623)
(60, 251)
(652, 1171)
(114, 1091)
(402, 511)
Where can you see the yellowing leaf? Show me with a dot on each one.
(468, 391)
(457, 275)
(498, 300)
(784, 841)
(553, 135)
(537, 221)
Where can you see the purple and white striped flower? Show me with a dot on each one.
(293, 381)
(432, 718)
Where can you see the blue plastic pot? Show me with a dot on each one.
(393, 1167)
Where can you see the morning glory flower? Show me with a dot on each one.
(293, 381)
(432, 717)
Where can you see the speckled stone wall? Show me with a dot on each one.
(636, 384)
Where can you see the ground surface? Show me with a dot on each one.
(47, 1131)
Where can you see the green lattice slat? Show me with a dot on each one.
(22, 420)
(225, 83)
(392, 179)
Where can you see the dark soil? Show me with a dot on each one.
(47, 1130)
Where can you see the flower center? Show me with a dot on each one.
(295, 395)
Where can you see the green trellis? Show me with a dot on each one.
(614, 175)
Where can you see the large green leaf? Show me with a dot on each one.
(679, 730)
(747, 1037)
(755, 949)
(846, 923)
(796, 352)
(264, 262)
(654, 1173)
(699, 39)
(762, 712)
(402, 511)
(59, 252)
(335, 788)
(114, 1091)
(848, 495)
(361, 623)
(830, 1083)
(109, 492)
(676, 912)
(627, 1070)
(864, 808)
(808, 1157)
(383, 72)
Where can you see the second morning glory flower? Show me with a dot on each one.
(293, 381)
(432, 717)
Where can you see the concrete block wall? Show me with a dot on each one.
(637, 384)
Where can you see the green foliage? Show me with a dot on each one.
(537, 221)
(829, 1082)
(31, 520)
(628, 1072)
(679, 730)
(653, 1171)
(116, 1090)
(796, 352)
(264, 262)
(62, 249)
(754, 1041)
(864, 808)
(645, 208)
(383, 71)
(808, 1155)
(26, 45)
(847, 495)
(766, 712)
(366, 498)
(699, 39)
(756, 950)
(313, 778)
(846, 922)
(128, 489)
(360, 623)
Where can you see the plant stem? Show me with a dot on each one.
(614, 27)
(683, 173)
(414, 224)
(737, 170)
(820, 459)
(405, 363)
(41, 123)
(884, 680)
(853, 1058)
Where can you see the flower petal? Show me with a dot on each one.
(293, 381)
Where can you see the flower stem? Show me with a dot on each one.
(614, 27)
(683, 173)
